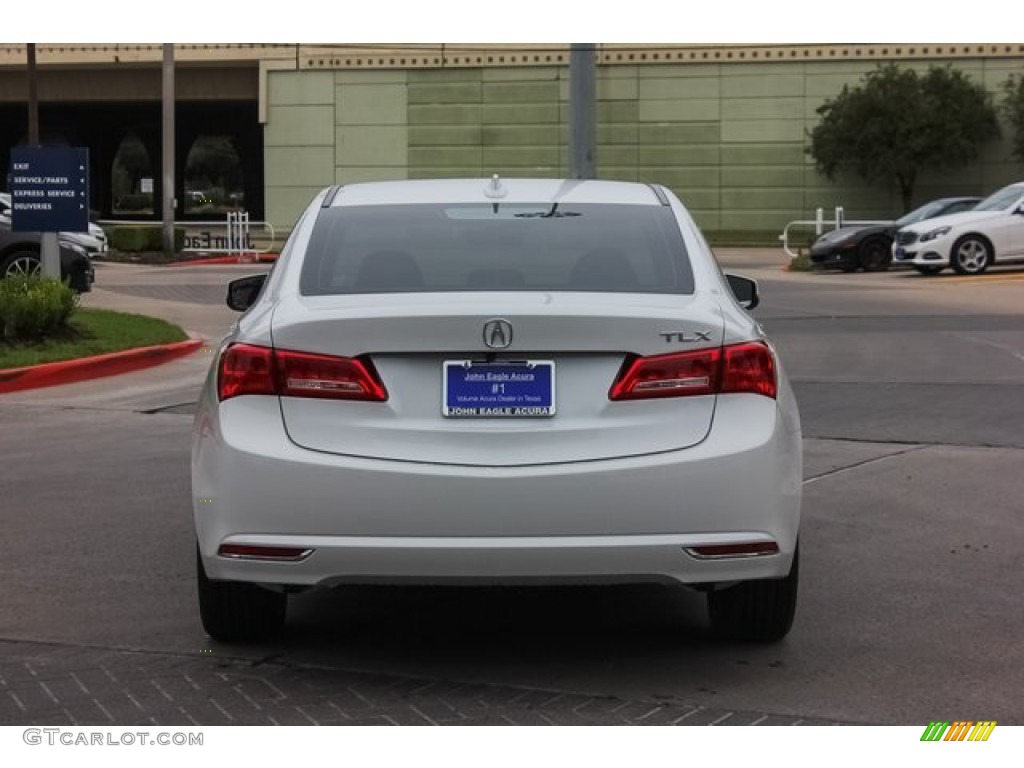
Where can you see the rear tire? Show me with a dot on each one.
(927, 270)
(759, 611)
(238, 612)
(875, 255)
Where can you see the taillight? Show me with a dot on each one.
(747, 367)
(301, 374)
(246, 369)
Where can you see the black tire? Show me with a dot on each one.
(238, 612)
(927, 270)
(21, 263)
(875, 254)
(971, 255)
(756, 611)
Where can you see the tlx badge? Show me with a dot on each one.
(682, 337)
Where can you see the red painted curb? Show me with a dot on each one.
(83, 368)
(262, 258)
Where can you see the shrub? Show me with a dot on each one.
(143, 237)
(31, 307)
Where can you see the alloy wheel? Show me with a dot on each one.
(971, 256)
(24, 266)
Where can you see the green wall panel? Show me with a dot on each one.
(521, 92)
(696, 197)
(369, 76)
(505, 74)
(285, 204)
(762, 176)
(287, 88)
(762, 199)
(681, 177)
(617, 133)
(445, 171)
(442, 156)
(520, 156)
(299, 126)
(690, 110)
(679, 154)
(763, 154)
(453, 75)
(680, 133)
(746, 86)
(729, 138)
(763, 130)
(498, 135)
(300, 166)
(519, 113)
(372, 104)
(372, 145)
(682, 87)
(443, 135)
(355, 174)
(444, 114)
(762, 108)
(444, 93)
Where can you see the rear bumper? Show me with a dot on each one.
(616, 520)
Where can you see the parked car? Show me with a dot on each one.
(496, 381)
(870, 247)
(968, 242)
(19, 255)
(94, 242)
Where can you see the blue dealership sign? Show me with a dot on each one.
(49, 189)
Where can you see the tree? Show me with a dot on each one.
(897, 123)
(1013, 111)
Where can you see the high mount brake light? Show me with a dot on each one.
(747, 367)
(248, 369)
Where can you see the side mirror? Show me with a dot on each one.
(242, 292)
(745, 291)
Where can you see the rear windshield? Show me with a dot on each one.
(496, 247)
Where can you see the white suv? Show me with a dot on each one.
(970, 242)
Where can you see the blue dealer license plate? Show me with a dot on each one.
(498, 390)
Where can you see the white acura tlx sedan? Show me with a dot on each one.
(494, 381)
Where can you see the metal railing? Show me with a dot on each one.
(819, 222)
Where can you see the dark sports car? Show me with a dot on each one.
(870, 247)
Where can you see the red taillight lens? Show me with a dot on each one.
(301, 374)
(688, 373)
(246, 369)
(748, 368)
(737, 368)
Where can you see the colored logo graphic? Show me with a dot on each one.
(961, 730)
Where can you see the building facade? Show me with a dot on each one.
(726, 127)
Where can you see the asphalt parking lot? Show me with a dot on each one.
(911, 393)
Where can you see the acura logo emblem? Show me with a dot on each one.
(497, 334)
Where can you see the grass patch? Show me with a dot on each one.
(91, 332)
